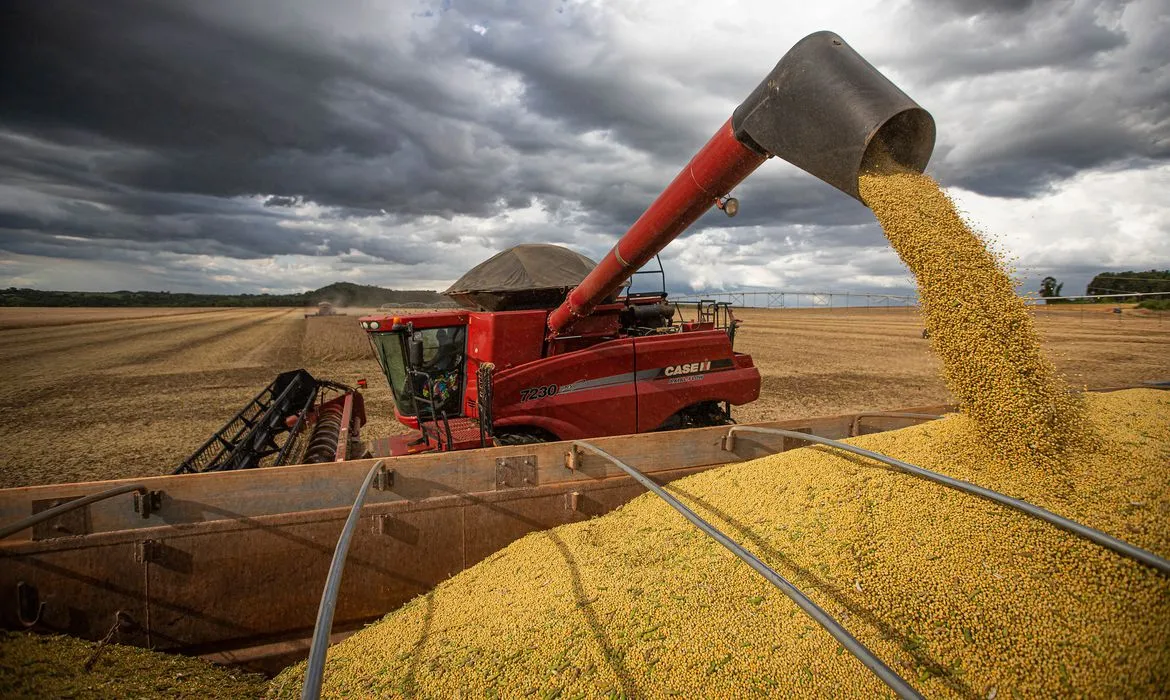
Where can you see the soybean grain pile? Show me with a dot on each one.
(981, 331)
(962, 597)
(39, 666)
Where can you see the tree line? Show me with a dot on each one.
(1128, 282)
(338, 293)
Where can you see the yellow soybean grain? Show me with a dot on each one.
(962, 597)
(44, 666)
(980, 329)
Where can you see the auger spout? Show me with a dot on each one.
(823, 108)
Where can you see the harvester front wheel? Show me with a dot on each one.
(701, 415)
(524, 436)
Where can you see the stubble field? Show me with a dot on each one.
(100, 394)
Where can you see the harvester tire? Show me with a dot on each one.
(702, 415)
(526, 436)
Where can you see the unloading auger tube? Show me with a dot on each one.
(823, 108)
(1093, 535)
(824, 619)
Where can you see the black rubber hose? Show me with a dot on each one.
(315, 671)
(68, 506)
(1084, 531)
(859, 650)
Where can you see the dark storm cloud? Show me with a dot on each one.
(110, 219)
(210, 105)
(77, 230)
(210, 99)
(393, 134)
(945, 40)
(970, 8)
(634, 103)
(1047, 89)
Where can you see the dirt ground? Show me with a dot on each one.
(102, 393)
(31, 317)
(823, 362)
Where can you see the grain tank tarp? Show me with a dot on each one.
(528, 276)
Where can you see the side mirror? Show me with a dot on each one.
(415, 352)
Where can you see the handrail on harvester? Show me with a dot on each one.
(848, 641)
(314, 673)
(53, 512)
(1083, 531)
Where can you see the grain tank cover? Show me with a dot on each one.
(528, 276)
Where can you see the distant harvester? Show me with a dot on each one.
(324, 308)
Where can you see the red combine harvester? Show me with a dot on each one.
(497, 374)
(546, 349)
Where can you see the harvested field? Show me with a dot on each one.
(822, 362)
(32, 317)
(332, 339)
(124, 397)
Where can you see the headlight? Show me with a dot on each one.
(373, 325)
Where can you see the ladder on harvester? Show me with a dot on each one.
(424, 395)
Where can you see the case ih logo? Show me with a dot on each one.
(691, 368)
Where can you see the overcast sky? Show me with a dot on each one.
(279, 145)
